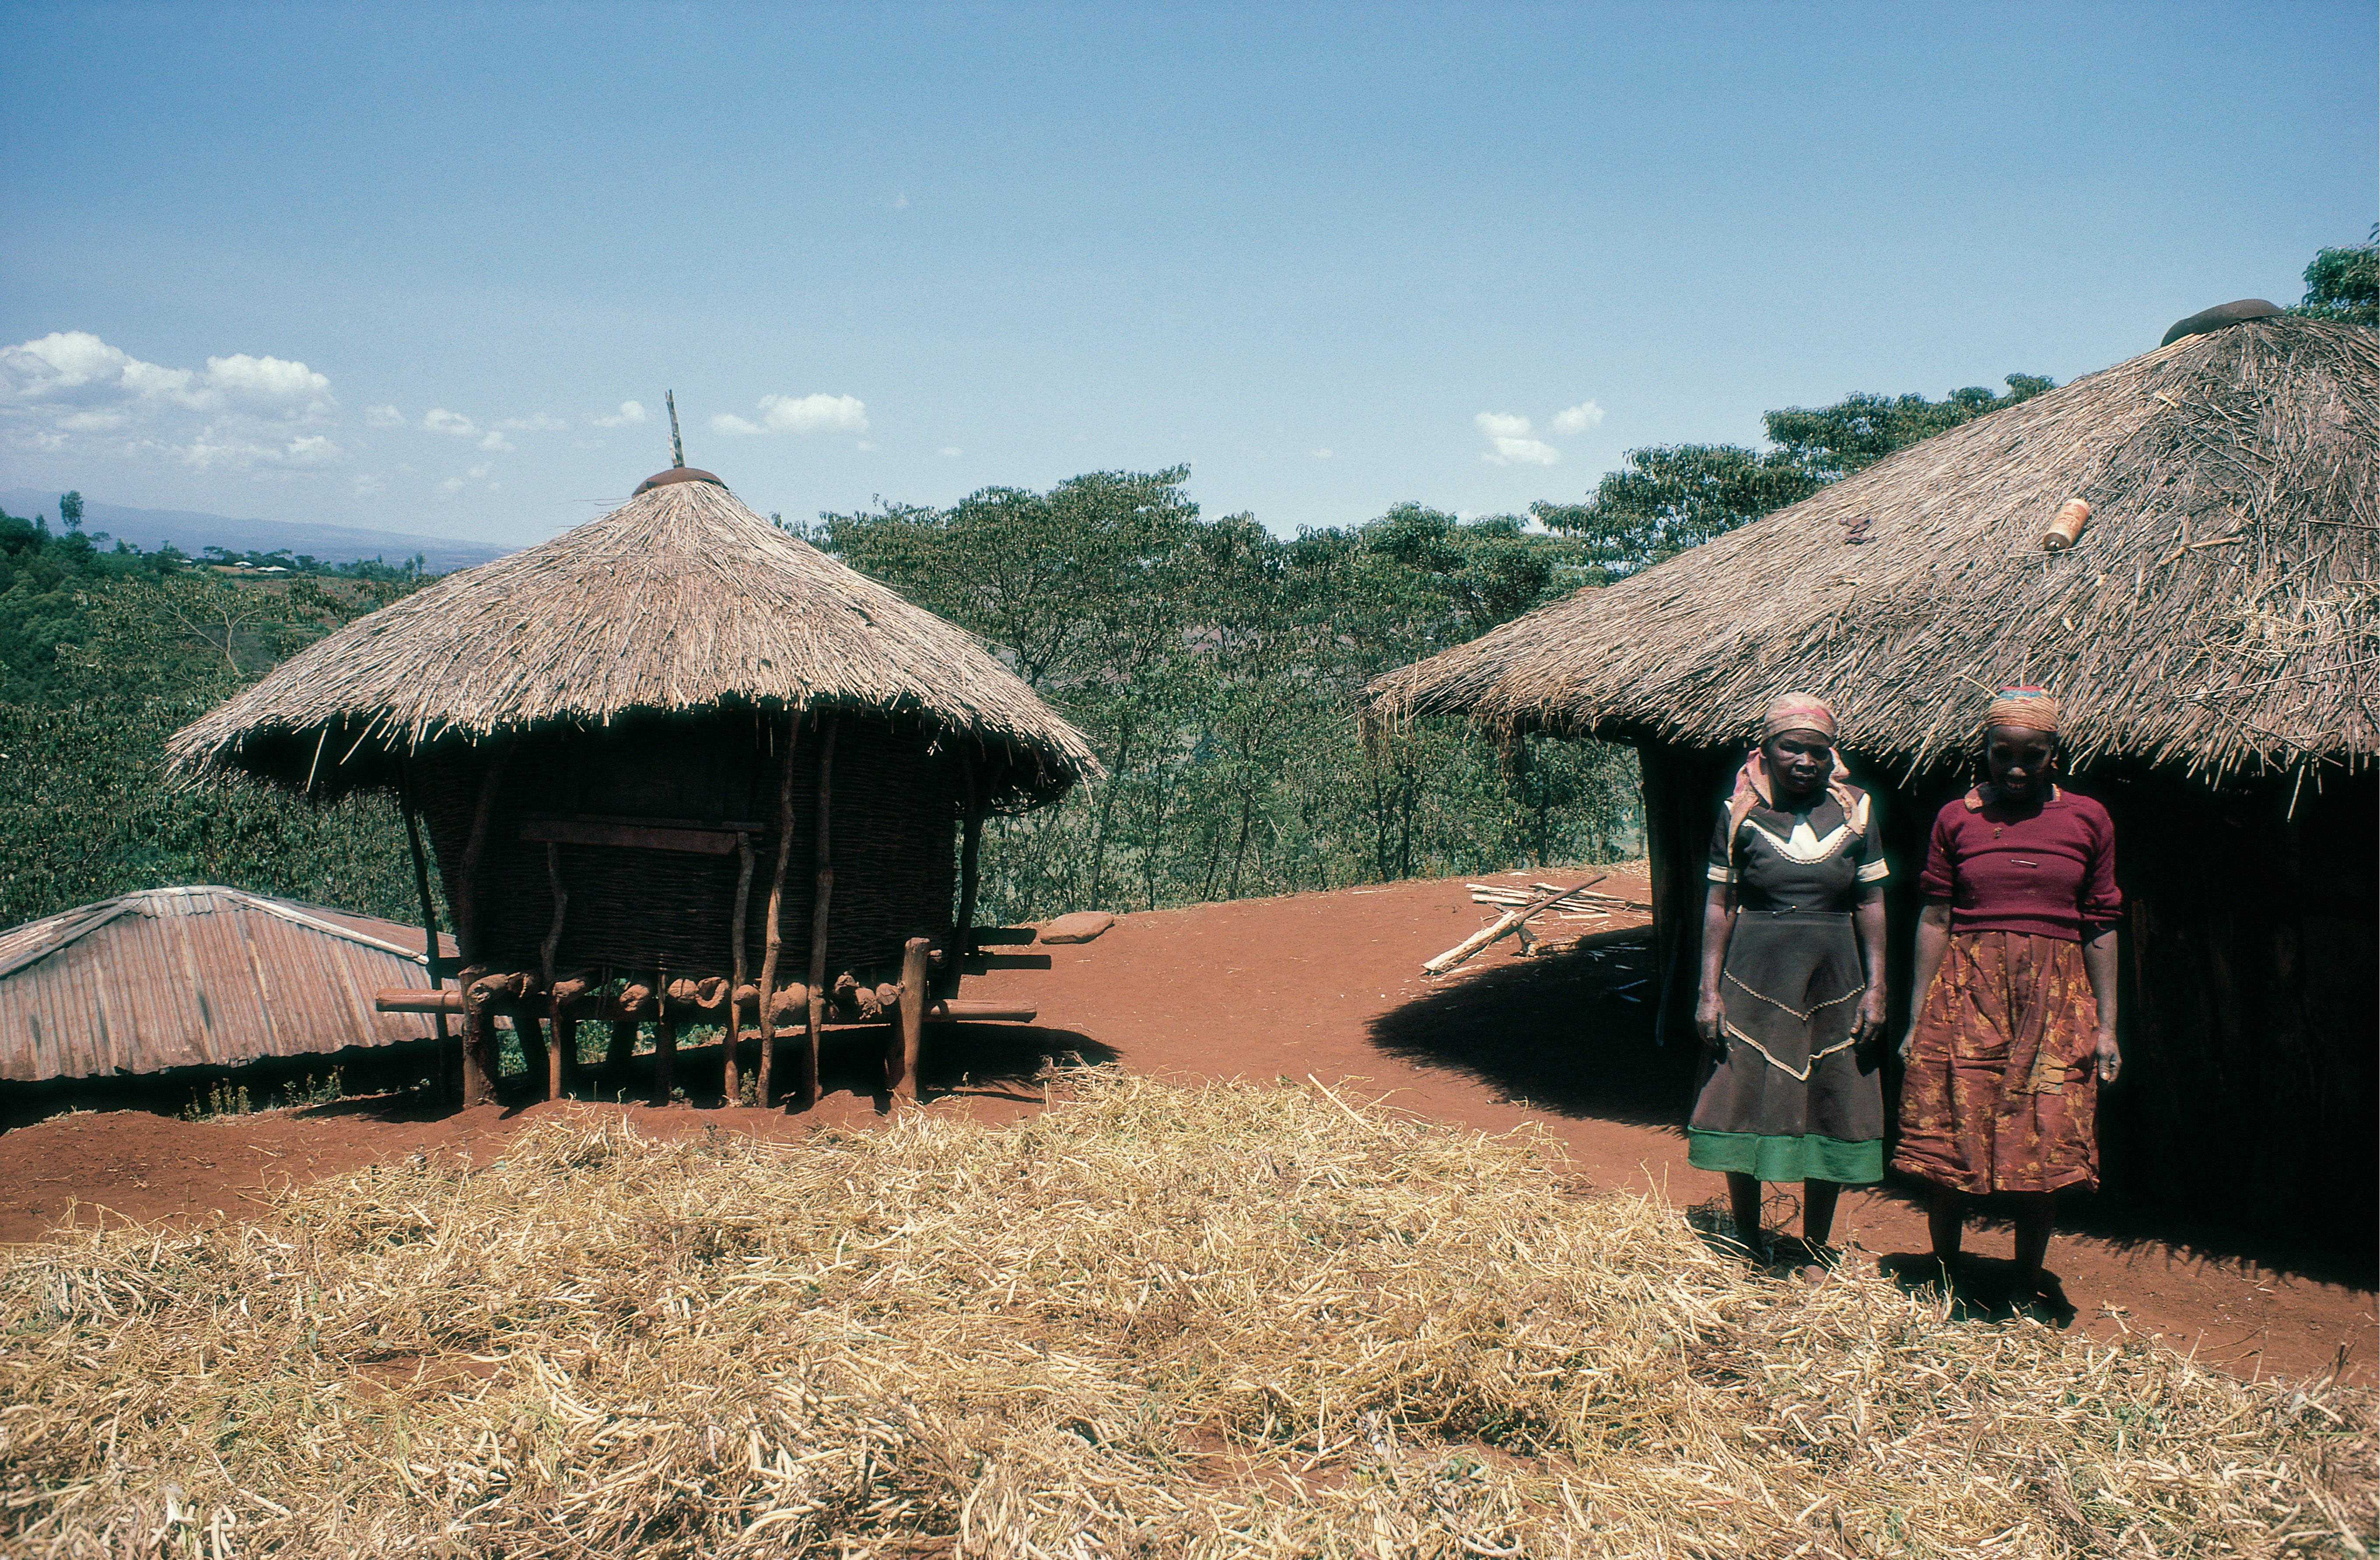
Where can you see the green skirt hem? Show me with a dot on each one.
(1806, 1158)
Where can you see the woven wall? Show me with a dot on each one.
(892, 823)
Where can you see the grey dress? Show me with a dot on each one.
(1788, 1098)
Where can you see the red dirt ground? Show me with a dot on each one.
(1325, 986)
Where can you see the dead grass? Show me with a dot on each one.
(1222, 1321)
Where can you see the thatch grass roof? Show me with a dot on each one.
(2217, 615)
(680, 600)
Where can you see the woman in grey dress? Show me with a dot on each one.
(1791, 998)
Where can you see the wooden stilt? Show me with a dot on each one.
(819, 905)
(449, 1061)
(775, 931)
(565, 1052)
(970, 883)
(621, 1053)
(732, 1081)
(546, 951)
(916, 971)
(537, 1059)
(478, 1047)
(664, 1059)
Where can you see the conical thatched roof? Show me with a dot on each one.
(680, 600)
(2218, 614)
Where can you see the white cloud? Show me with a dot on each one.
(270, 383)
(950, 452)
(1509, 434)
(369, 484)
(496, 441)
(1322, 454)
(1524, 451)
(1577, 420)
(866, 445)
(383, 417)
(75, 375)
(438, 420)
(536, 423)
(630, 411)
(219, 446)
(452, 484)
(804, 415)
(481, 469)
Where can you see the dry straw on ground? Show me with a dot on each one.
(2221, 614)
(1223, 1320)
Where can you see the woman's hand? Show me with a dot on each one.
(2108, 1060)
(1868, 1027)
(1706, 1020)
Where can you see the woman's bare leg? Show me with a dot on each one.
(1818, 1211)
(1946, 1221)
(1743, 1199)
(2035, 1212)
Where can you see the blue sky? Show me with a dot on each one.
(401, 267)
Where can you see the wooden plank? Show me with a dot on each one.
(1485, 935)
(633, 837)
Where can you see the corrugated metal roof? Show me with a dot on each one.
(199, 977)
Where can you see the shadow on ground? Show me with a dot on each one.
(1571, 1033)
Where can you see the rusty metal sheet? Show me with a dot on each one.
(199, 977)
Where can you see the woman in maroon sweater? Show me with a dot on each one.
(2015, 1027)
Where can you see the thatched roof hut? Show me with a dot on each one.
(2215, 635)
(680, 600)
(606, 735)
(2218, 613)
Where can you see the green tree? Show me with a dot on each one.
(1216, 669)
(70, 510)
(2344, 284)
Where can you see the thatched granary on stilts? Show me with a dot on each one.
(672, 754)
(2215, 636)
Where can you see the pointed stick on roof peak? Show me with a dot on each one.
(677, 449)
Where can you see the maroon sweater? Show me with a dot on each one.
(2051, 873)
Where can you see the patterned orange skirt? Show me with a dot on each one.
(2002, 1090)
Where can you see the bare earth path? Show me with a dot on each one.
(1320, 985)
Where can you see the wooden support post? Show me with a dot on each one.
(819, 905)
(479, 1043)
(565, 1051)
(776, 928)
(546, 951)
(732, 1083)
(911, 1019)
(970, 882)
(621, 1053)
(449, 1063)
(664, 1058)
(537, 1060)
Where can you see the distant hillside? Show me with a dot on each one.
(150, 529)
